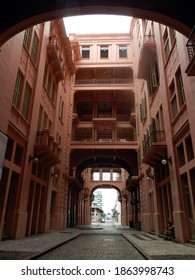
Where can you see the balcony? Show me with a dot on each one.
(190, 70)
(147, 55)
(104, 143)
(55, 60)
(155, 148)
(46, 149)
(102, 81)
(104, 121)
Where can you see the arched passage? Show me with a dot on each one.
(103, 174)
(105, 198)
(126, 159)
(35, 11)
(141, 15)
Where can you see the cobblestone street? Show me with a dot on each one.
(97, 241)
(95, 247)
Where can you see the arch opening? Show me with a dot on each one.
(105, 205)
(181, 19)
(90, 158)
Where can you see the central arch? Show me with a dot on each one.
(123, 159)
(115, 205)
(35, 11)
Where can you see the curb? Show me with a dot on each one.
(139, 249)
(43, 252)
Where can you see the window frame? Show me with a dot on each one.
(18, 90)
(123, 51)
(104, 51)
(34, 47)
(85, 50)
(26, 102)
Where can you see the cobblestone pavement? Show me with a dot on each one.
(91, 246)
(150, 246)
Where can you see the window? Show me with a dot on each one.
(45, 119)
(143, 109)
(123, 51)
(177, 94)
(166, 44)
(181, 155)
(174, 108)
(9, 150)
(58, 139)
(172, 35)
(85, 52)
(18, 90)
(106, 175)
(40, 118)
(153, 79)
(49, 81)
(116, 174)
(173, 100)
(189, 148)
(27, 38)
(53, 92)
(104, 52)
(45, 74)
(34, 49)
(95, 176)
(26, 102)
(180, 88)
(18, 155)
(61, 108)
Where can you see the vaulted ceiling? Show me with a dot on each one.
(17, 15)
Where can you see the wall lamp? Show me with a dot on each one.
(165, 160)
(150, 176)
(54, 175)
(35, 159)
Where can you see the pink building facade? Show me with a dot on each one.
(36, 86)
(117, 102)
(165, 126)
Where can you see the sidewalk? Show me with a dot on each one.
(150, 246)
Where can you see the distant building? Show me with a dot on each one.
(96, 214)
(98, 200)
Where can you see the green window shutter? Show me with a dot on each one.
(26, 102)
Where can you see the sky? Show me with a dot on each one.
(109, 199)
(94, 24)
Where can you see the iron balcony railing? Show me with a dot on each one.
(154, 137)
(103, 81)
(45, 140)
(191, 44)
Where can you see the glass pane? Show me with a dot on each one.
(181, 155)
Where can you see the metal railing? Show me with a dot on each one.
(122, 140)
(191, 45)
(43, 138)
(103, 81)
(154, 137)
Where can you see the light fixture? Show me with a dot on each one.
(35, 159)
(165, 160)
(150, 176)
(54, 175)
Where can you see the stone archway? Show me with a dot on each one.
(109, 200)
(16, 16)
